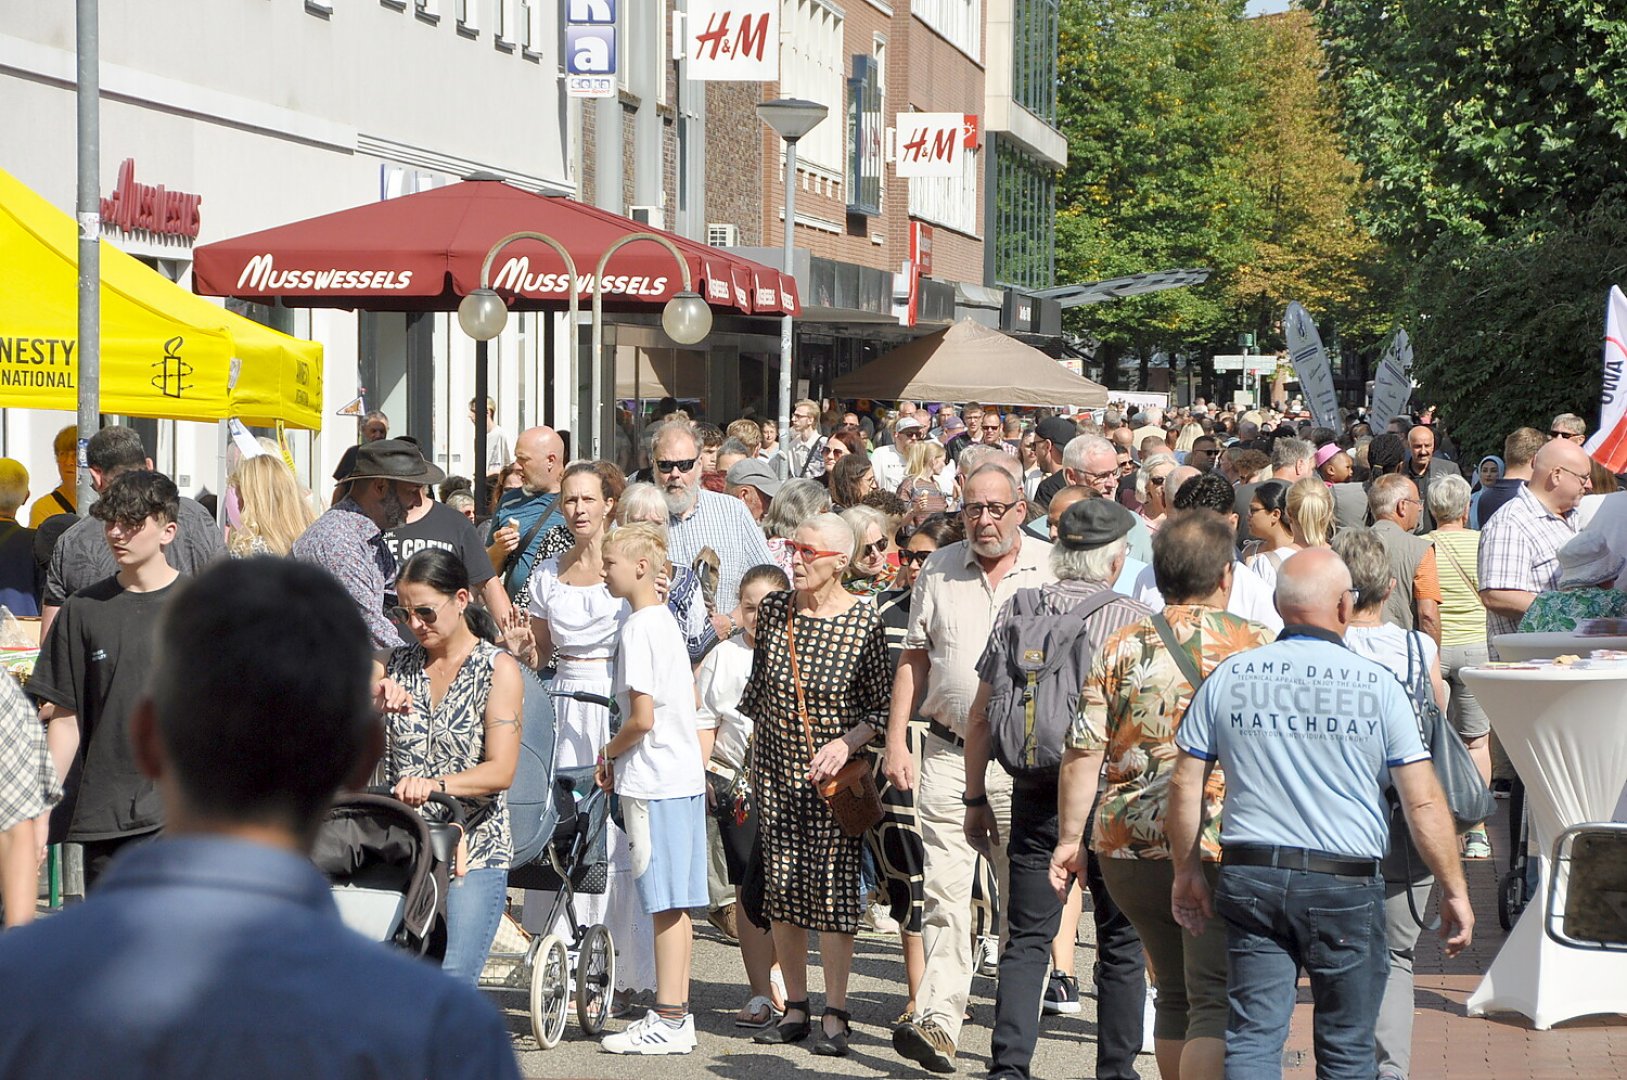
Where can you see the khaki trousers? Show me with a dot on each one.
(946, 927)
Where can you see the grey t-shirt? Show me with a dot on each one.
(82, 556)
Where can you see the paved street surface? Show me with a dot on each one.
(1446, 1043)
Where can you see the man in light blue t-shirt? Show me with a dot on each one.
(1310, 736)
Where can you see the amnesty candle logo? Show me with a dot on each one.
(171, 379)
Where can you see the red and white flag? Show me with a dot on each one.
(1609, 444)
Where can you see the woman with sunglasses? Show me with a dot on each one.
(1150, 488)
(576, 623)
(817, 695)
(459, 736)
(872, 569)
(896, 843)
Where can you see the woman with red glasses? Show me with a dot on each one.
(817, 695)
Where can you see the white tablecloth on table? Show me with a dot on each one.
(1565, 730)
(1548, 646)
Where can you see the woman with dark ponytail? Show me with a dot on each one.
(459, 734)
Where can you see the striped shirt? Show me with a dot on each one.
(725, 525)
(1519, 550)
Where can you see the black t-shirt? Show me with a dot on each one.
(1048, 488)
(95, 663)
(444, 528)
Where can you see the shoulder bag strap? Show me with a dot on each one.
(67, 507)
(796, 676)
(1451, 557)
(1087, 607)
(1178, 654)
(525, 541)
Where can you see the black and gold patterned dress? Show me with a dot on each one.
(810, 869)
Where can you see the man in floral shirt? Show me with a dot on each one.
(1132, 703)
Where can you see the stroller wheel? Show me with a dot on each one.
(550, 991)
(1511, 898)
(595, 979)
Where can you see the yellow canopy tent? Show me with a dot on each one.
(164, 352)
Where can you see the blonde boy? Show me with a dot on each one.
(654, 764)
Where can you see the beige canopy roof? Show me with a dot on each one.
(970, 362)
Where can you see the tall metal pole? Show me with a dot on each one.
(790, 271)
(88, 205)
(481, 393)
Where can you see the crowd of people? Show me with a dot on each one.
(1170, 657)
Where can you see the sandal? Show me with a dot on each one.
(833, 1045)
(758, 1006)
(786, 1031)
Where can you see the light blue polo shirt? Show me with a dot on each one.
(1306, 731)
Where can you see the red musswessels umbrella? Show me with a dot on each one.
(423, 253)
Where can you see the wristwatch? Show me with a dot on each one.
(974, 800)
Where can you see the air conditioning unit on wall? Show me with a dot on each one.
(722, 234)
(653, 216)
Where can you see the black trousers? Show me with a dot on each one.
(1033, 915)
(99, 853)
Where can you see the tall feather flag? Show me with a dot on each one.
(1609, 444)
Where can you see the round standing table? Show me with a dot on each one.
(1565, 730)
(1548, 646)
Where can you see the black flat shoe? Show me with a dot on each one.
(833, 1045)
(786, 1031)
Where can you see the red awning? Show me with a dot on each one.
(423, 253)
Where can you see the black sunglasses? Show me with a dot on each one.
(425, 614)
(876, 547)
(666, 465)
(919, 558)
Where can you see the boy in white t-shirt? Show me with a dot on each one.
(654, 763)
(724, 737)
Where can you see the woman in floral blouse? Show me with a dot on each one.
(1132, 705)
(459, 735)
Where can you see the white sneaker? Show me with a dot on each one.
(1148, 1014)
(878, 918)
(987, 956)
(651, 1036)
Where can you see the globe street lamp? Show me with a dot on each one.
(791, 119)
(482, 314)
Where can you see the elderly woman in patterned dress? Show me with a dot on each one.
(459, 734)
(817, 694)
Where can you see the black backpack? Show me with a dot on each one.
(1035, 694)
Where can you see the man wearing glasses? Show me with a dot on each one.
(802, 448)
(1414, 602)
(994, 431)
(957, 595)
(1568, 426)
(1519, 546)
(698, 519)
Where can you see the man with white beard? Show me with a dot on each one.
(704, 519)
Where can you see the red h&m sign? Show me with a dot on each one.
(934, 144)
(137, 207)
(733, 40)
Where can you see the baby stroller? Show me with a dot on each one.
(390, 866)
(558, 818)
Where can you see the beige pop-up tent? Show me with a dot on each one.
(970, 362)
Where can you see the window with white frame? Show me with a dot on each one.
(959, 21)
(467, 19)
(812, 67)
(531, 27)
(950, 201)
(502, 26)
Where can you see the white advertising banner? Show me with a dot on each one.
(1609, 444)
(1392, 386)
(1311, 365)
(733, 40)
(933, 144)
(590, 48)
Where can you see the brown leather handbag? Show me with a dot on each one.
(851, 794)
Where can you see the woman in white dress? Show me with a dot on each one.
(577, 622)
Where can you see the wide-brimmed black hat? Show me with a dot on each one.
(394, 459)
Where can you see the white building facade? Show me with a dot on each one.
(272, 111)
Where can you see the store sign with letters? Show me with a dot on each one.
(590, 48)
(733, 40)
(934, 144)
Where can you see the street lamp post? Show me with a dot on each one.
(686, 320)
(482, 314)
(791, 119)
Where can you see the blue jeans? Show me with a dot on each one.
(474, 904)
(1281, 921)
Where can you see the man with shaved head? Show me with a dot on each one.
(1310, 736)
(525, 514)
